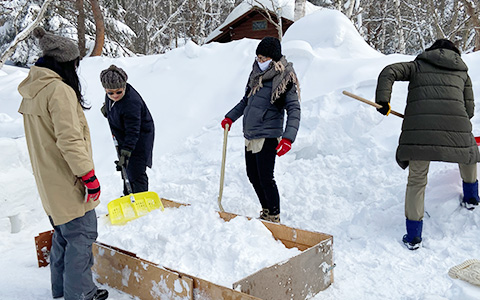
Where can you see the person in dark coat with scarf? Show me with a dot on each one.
(272, 89)
(436, 126)
(131, 125)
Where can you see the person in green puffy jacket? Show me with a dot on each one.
(436, 125)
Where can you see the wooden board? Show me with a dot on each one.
(203, 289)
(289, 236)
(298, 278)
(43, 244)
(126, 272)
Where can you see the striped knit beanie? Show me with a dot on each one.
(113, 78)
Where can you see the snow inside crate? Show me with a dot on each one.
(259, 259)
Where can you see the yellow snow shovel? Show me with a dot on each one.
(132, 206)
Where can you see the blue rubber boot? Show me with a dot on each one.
(470, 195)
(413, 238)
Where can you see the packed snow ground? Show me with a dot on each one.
(340, 177)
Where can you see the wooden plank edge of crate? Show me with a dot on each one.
(300, 277)
(146, 280)
(124, 271)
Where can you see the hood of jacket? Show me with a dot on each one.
(37, 80)
(444, 58)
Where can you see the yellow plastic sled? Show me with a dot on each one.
(133, 206)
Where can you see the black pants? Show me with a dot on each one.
(137, 174)
(260, 173)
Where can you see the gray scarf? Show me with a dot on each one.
(280, 72)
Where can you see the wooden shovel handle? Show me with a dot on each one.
(370, 103)
(222, 170)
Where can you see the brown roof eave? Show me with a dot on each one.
(237, 20)
(254, 9)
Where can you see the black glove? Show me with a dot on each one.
(103, 109)
(385, 109)
(123, 160)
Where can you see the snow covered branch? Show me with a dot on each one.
(24, 33)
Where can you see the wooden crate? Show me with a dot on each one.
(300, 277)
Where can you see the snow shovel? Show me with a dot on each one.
(370, 103)
(477, 138)
(132, 206)
(222, 170)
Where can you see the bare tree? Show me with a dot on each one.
(100, 28)
(400, 33)
(349, 11)
(169, 21)
(299, 9)
(24, 33)
(475, 20)
(81, 28)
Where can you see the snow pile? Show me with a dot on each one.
(332, 35)
(340, 177)
(201, 238)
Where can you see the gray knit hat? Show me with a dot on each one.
(62, 49)
(113, 78)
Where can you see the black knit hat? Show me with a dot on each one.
(443, 44)
(113, 78)
(270, 47)
(62, 49)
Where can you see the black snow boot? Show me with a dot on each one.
(100, 295)
(413, 238)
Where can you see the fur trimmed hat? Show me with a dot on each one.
(113, 78)
(270, 47)
(62, 49)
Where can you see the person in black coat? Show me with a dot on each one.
(131, 125)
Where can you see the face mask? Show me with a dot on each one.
(264, 65)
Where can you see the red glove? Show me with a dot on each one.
(227, 121)
(283, 147)
(92, 185)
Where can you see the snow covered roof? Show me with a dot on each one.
(287, 8)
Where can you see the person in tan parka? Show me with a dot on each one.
(58, 141)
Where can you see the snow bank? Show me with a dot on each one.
(330, 35)
(340, 177)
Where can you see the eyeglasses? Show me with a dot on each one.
(261, 58)
(117, 93)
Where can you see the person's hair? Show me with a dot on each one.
(443, 44)
(68, 72)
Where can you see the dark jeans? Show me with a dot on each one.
(260, 168)
(137, 174)
(71, 258)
